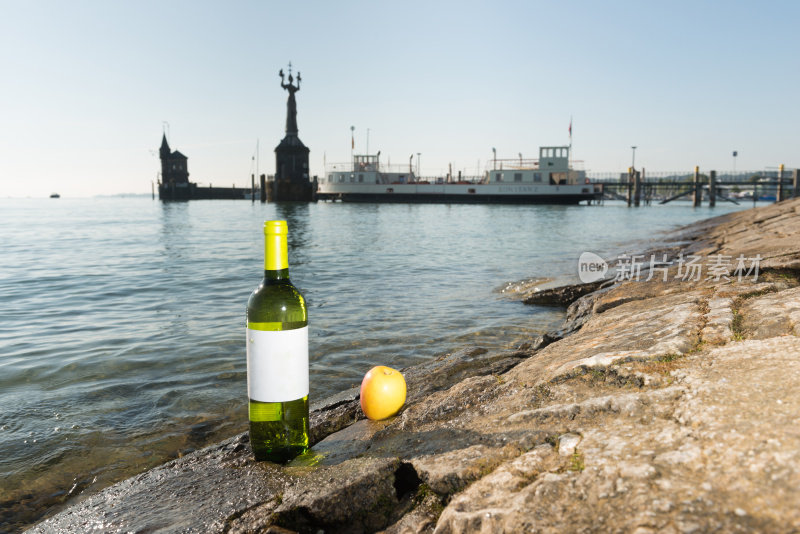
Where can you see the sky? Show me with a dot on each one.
(88, 87)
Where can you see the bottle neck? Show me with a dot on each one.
(276, 255)
(276, 275)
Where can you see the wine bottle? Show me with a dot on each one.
(277, 356)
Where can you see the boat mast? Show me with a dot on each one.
(569, 161)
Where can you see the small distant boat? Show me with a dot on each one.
(55, 195)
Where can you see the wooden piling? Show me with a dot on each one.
(263, 178)
(252, 188)
(779, 192)
(629, 196)
(795, 184)
(637, 188)
(698, 191)
(712, 189)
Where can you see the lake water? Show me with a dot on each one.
(122, 319)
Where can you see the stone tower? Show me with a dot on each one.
(292, 181)
(174, 168)
(174, 183)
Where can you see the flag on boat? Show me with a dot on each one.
(570, 127)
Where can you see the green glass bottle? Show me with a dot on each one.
(277, 356)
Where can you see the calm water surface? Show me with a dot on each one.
(122, 319)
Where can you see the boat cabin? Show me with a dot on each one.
(366, 169)
(551, 168)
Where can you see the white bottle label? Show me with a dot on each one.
(277, 364)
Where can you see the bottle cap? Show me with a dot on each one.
(276, 227)
(276, 256)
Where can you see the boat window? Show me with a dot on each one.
(498, 177)
(360, 178)
(341, 178)
(352, 177)
(517, 176)
(537, 177)
(470, 190)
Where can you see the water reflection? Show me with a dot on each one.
(296, 215)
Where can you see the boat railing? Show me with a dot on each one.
(368, 167)
(444, 180)
(513, 164)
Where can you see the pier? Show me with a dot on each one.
(637, 187)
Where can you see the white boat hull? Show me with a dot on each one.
(459, 193)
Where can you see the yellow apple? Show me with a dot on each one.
(383, 392)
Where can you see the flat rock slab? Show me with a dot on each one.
(196, 493)
(721, 454)
(645, 328)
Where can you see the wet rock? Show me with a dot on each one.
(341, 410)
(445, 371)
(578, 313)
(221, 477)
(361, 495)
(560, 296)
(333, 414)
(421, 519)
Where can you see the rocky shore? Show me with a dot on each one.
(659, 406)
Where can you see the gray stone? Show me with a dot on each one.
(773, 314)
(567, 444)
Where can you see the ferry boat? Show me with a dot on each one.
(548, 180)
